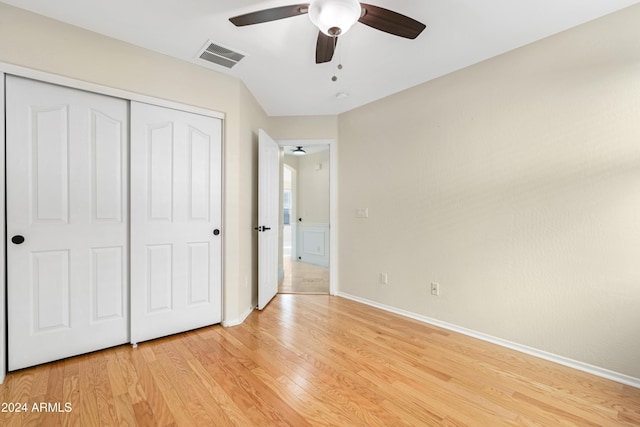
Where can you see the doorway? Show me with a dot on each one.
(305, 266)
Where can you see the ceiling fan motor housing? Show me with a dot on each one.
(334, 17)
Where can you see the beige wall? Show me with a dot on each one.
(515, 184)
(47, 45)
(304, 127)
(313, 188)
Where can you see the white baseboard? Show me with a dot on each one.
(561, 360)
(239, 320)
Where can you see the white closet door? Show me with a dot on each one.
(176, 246)
(66, 221)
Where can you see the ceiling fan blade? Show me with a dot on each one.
(325, 47)
(272, 14)
(390, 22)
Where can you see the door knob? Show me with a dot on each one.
(265, 228)
(17, 239)
(216, 232)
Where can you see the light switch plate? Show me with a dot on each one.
(362, 213)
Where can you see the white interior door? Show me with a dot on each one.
(66, 221)
(268, 217)
(176, 205)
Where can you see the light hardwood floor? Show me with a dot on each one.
(302, 278)
(317, 360)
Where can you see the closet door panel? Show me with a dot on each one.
(199, 175)
(49, 163)
(175, 208)
(107, 176)
(107, 285)
(199, 273)
(66, 221)
(159, 148)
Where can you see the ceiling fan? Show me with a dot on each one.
(334, 18)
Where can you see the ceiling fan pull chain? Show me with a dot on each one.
(335, 72)
(335, 50)
(338, 66)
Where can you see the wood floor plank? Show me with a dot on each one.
(319, 414)
(55, 382)
(107, 414)
(263, 399)
(129, 375)
(154, 399)
(316, 360)
(71, 393)
(227, 412)
(170, 395)
(197, 401)
(144, 414)
(20, 390)
(300, 365)
(284, 365)
(88, 405)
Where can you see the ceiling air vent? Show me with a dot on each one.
(220, 55)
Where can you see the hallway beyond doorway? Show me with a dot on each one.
(300, 277)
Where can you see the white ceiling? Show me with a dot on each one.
(280, 67)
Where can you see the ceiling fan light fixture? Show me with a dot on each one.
(334, 17)
(298, 151)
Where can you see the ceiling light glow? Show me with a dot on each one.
(334, 17)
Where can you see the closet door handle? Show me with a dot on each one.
(17, 239)
(216, 232)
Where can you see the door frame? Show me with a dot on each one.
(16, 70)
(333, 202)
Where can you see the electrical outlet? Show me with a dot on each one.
(435, 288)
(384, 279)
